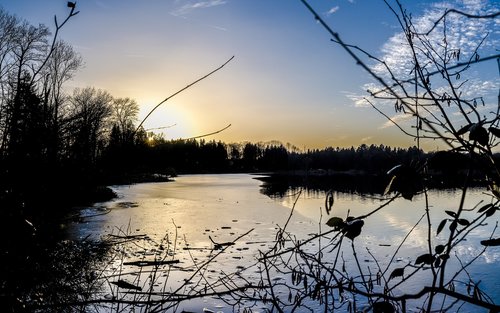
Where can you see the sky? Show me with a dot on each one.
(287, 82)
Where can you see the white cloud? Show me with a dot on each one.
(463, 34)
(195, 5)
(219, 28)
(333, 10)
(358, 100)
(398, 119)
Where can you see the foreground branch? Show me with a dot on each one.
(209, 134)
(181, 90)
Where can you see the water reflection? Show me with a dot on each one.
(281, 185)
(390, 225)
(403, 225)
(195, 208)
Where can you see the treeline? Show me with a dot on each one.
(210, 156)
(365, 164)
(202, 156)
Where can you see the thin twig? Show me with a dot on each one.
(181, 90)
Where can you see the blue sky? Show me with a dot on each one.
(287, 82)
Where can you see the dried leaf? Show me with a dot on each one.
(491, 211)
(451, 213)
(397, 273)
(353, 229)
(439, 249)
(441, 226)
(335, 222)
(484, 208)
(329, 201)
(479, 134)
(425, 259)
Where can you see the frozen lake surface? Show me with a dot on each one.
(194, 211)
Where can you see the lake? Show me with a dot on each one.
(185, 219)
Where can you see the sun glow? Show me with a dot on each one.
(170, 120)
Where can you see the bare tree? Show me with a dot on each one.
(61, 66)
(25, 50)
(88, 123)
(8, 25)
(124, 113)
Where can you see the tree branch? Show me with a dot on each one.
(181, 90)
(209, 134)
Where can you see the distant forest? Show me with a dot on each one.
(157, 155)
(169, 157)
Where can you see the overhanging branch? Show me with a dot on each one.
(181, 90)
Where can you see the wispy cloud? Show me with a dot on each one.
(333, 10)
(196, 5)
(398, 119)
(218, 27)
(358, 99)
(462, 34)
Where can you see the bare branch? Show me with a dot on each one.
(181, 90)
(449, 11)
(209, 134)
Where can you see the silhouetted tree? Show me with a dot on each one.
(123, 117)
(90, 110)
(274, 157)
(61, 66)
(251, 152)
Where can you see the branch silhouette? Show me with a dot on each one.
(163, 127)
(181, 90)
(471, 16)
(209, 134)
(72, 6)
